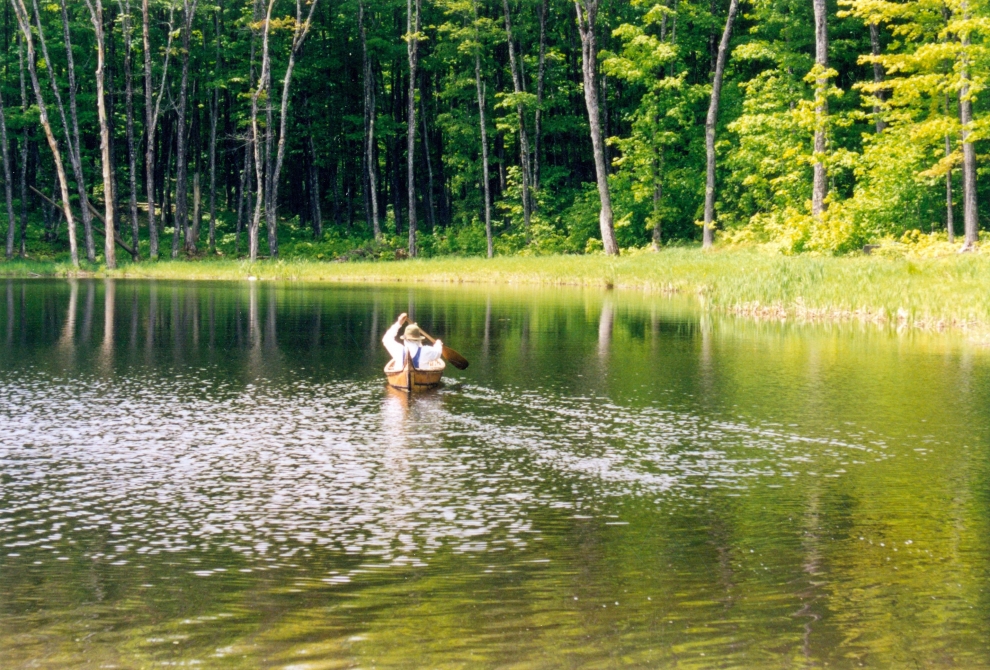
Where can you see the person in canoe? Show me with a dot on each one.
(412, 341)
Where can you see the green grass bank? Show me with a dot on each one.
(933, 293)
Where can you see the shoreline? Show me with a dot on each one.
(935, 294)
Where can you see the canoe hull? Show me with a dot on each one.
(410, 379)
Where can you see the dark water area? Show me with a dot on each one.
(215, 475)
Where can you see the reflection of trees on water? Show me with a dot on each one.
(69, 327)
(11, 316)
(811, 545)
(606, 324)
(109, 311)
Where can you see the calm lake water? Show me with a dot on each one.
(214, 475)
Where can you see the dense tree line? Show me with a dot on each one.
(382, 127)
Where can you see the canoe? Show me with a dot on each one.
(407, 378)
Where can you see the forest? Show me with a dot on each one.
(383, 129)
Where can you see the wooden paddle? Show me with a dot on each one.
(449, 354)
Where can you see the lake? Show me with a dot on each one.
(215, 475)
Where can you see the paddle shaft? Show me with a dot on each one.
(455, 358)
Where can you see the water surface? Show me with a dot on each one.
(215, 475)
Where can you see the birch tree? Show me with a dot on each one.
(413, 11)
(152, 112)
(819, 184)
(710, 123)
(181, 154)
(127, 29)
(517, 89)
(587, 15)
(24, 23)
(109, 249)
(369, 124)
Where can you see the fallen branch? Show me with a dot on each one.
(116, 236)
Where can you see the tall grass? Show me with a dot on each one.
(938, 292)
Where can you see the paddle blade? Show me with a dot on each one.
(455, 358)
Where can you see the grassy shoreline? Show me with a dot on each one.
(936, 293)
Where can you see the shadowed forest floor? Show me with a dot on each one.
(934, 293)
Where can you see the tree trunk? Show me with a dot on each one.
(877, 76)
(298, 37)
(970, 220)
(125, 11)
(657, 237)
(259, 166)
(243, 188)
(181, 158)
(540, 71)
(109, 248)
(485, 181)
(429, 164)
(152, 109)
(819, 184)
(214, 111)
(24, 23)
(314, 191)
(197, 216)
(23, 167)
(517, 87)
(587, 13)
(412, 51)
(8, 182)
(708, 233)
(950, 227)
(75, 156)
(369, 124)
(244, 197)
(149, 134)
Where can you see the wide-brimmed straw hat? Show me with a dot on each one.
(413, 333)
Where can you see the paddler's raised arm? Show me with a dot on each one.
(393, 346)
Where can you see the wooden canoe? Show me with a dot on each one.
(409, 379)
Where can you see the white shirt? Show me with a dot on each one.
(427, 353)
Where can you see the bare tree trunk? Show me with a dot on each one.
(22, 168)
(214, 111)
(877, 76)
(657, 237)
(259, 166)
(243, 188)
(268, 200)
(950, 227)
(540, 71)
(819, 184)
(244, 197)
(708, 233)
(369, 124)
(517, 87)
(109, 248)
(314, 191)
(8, 182)
(484, 140)
(152, 109)
(587, 13)
(181, 159)
(72, 138)
(298, 37)
(24, 23)
(412, 51)
(197, 216)
(971, 224)
(429, 164)
(125, 11)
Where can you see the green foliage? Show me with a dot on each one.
(656, 62)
